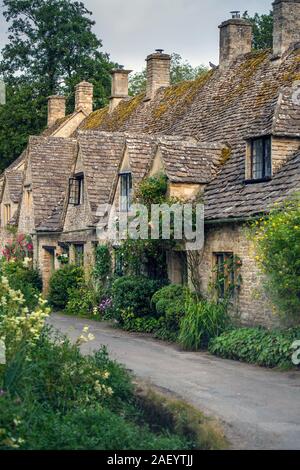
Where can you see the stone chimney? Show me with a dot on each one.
(56, 109)
(158, 72)
(84, 94)
(286, 25)
(235, 38)
(119, 87)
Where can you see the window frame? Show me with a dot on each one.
(265, 174)
(127, 176)
(76, 189)
(228, 277)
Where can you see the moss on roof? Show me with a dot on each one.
(184, 91)
(95, 119)
(123, 112)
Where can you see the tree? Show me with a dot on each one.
(181, 71)
(23, 114)
(51, 41)
(262, 30)
(277, 242)
(51, 47)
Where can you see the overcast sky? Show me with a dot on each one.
(131, 29)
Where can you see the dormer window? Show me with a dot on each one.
(125, 191)
(76, 190)
(259, 160)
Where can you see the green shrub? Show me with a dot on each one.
(64, 279)
(169, 302)
(277, 240)
(203, 321)
(256, 346)
(25, 279)
(82, 302)
(133, 293)
(139, 324)
(61, 401)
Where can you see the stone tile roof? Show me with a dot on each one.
(51, 160)
(188, 161)
(101, 153)
(250, 98)
(233, 200)
(15, 183)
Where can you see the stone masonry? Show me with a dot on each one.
(158, 73)
(286, 25)
(235, 39)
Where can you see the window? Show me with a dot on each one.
(224, 273)
(7, 213)
(79, 255)
(125, 191)
(260, 159)
(76, 190)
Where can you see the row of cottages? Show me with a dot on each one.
(232, 135)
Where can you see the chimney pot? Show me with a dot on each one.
(119, 86)
(286, 31)
(235, 38)
(84, 96)
(158, 72)
(56, 109)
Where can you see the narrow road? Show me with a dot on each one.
(259, 408)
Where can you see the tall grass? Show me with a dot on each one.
(203, 321)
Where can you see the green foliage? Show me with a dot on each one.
(256, 346)
(130, 322)
(134, 293)
(181, 71)
(25, 279)
(64, 400)
(51, 47)
(262, 30)
(62, 280)
(203, 321)
(152, 190)
(144, 256)
(82, 302)
(159, 327)
(277, 241)
(103, 263)
(23, 114)
(170, 303)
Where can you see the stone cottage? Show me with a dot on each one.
(232, 135)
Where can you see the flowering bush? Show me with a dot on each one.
(18, 248)
(106, 307)
(277, 242)
(23, 277)
(18, 325)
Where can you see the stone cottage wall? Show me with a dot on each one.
(251, 306)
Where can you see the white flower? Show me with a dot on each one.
(26, 262)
